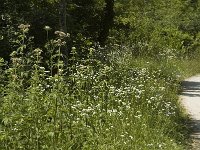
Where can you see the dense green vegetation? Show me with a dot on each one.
(96, 74)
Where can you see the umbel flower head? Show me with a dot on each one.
(38, 51)
(24, 27)
(47, 28)
(62, 34)
(59, 42)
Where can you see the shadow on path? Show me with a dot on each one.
(195, 135)
(190, 89)
(190, 85)
(191, 101)
(195, 126)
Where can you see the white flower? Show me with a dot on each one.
(47, 28)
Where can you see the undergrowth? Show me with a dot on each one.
(128, 103)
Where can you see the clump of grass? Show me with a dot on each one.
(126, 104)
(190, 66)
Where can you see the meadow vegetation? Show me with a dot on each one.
(125, 103)
(79, 91)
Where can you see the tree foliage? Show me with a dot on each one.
(147, 26)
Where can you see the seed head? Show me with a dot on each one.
(62, 34)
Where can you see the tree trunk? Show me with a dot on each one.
(107, 22)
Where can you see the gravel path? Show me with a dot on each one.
(190, 99)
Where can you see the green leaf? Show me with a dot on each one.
(6, 121)
(51, 134)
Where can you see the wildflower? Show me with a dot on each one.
(38, 51)
(16, 60)
(22, 26)
(160, 145)
(58, 42)
(150, 144)
(131, 137)
(91, 49)
(73, 48)
(60, 70)
(47, 28)
(68, 35)
(62, 34)
(42, 68)
(2, 17)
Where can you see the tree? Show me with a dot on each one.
(107, 21)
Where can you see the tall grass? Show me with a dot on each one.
(128, 104)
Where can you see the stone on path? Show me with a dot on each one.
(190, 98)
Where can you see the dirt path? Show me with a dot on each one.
(191, 101)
